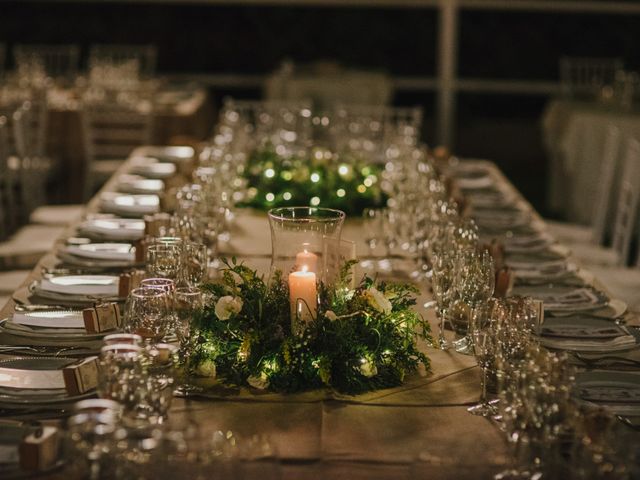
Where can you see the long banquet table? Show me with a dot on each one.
(418, 430)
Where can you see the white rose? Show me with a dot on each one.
(207, 369)
(378, 301)
(227, 306)
(367, 368)
(330, 314)
(260, 382)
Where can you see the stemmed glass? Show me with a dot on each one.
(194, 264)
(147, 312)
(163, 260)
(484, 350)
(188, 302)
(474, 284)
(442, 285)
(372, 224)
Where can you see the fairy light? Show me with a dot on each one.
(270, 197)
(269, 173)
(368, 182)
(286, 175)
(341, 192)
(287, 196)
(315, 177)
(343, 170)
(315, 201)
(361, 189)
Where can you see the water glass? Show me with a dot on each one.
(163, 260)
(147, 313)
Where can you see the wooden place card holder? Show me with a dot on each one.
(102, 317)
(40, 450)
(504, 282)
(81, 377)
(128, 281)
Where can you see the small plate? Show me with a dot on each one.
(176, 154)
(136, 184)
(117, 229)
(103, 251)
(129, 205)
(613, 389)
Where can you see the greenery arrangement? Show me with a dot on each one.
(321, 180)
(362, 339)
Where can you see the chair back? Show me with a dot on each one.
(111, 131)
(585, 77)
(603, 202)
(142, 57)
(627, 205)
(30, 123)
(55, 61)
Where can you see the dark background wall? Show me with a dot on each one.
(194, 38)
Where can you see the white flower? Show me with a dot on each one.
(260, 382)
(367, 368)
(207, 369)
(227, 306)
(330, 314)
(378, 301)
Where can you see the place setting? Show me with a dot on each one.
(112, 228)
(135, 206)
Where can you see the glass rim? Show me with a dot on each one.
(330, 214)
(149, 291)
(122, 348)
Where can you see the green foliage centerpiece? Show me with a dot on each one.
(361, 338)
(317, 178)
(308, 326)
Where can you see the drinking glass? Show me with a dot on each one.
(194, 264)
(372, 224)
(484, 351)
(163, 260)
(155, 390)
(188, 302)
(442, 285)
(147, 312)
(120, 369)
(91, 444)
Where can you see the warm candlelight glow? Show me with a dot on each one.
(307, 261)
(302, 296)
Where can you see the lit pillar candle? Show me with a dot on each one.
(307, 261)
(303, 296)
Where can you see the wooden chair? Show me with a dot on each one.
(7, 183)
(111, 131)
(585, 77)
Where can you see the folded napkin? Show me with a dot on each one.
(82, 285)
(129, 204)
(103, 251)
(50, 318)
(150, 167)
(31, 379)
(138, 184)
(622, 393)
(114, 228)
(577, 299)
(475, 183)
(622, 342)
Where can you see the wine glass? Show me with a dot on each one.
(372, 224)
(483, 344)
(188, 302)
(147, 313)
(442, 285)
(163, 260)
(194, 264)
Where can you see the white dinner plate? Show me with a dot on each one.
(129, 205)
(103, 251)
(117, 229)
